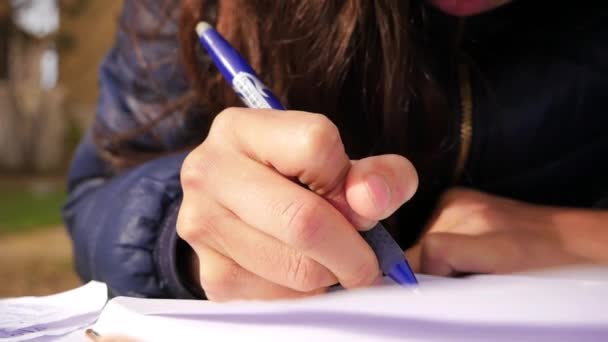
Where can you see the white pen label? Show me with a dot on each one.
(251, 90)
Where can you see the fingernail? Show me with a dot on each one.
(379, 192)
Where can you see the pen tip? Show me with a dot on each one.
(201, 27)
(402, 274)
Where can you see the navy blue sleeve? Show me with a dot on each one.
(122, 223)
(123, 227)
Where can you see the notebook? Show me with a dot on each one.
(550, 306)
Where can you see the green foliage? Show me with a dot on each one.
(25, 208)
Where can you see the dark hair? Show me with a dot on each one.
(369, 65)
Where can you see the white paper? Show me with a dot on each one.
(27, 318)
(480, 308)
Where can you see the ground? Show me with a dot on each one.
(36, 262)
(35, 251)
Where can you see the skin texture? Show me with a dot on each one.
(475, 232)
(257, 233)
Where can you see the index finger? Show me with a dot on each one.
(303, 145)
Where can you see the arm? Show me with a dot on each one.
(123, 224)
(474, 232)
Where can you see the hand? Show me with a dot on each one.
(474, 232)
(257, 233)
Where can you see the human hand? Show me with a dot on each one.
(474, 232)
(257, 233)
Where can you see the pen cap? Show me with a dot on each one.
(236, 70)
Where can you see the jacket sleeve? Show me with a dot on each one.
(122, 224)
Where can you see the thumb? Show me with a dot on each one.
(377, 186)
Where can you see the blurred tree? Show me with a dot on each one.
(48, 77)
(31, 122)
(86, 33)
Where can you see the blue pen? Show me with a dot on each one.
(255, 94)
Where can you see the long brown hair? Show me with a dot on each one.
(371, 66)
(362, 63)
(367, 65)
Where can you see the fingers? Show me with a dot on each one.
(223, 280)
(308, 147)
(302, 145)
(377, 186)
(449, 254)
(289, 213)
(218, 229)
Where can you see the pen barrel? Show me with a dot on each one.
(241, 76)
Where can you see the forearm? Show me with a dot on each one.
(583, 232)
(476, 232)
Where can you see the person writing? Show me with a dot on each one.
(472, 128)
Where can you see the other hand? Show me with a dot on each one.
(475, 232)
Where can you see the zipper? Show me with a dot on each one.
(466, 122)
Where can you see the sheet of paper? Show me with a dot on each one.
(480, 308)
(27, 318)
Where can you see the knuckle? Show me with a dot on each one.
(318, 136)
(188, 176)
(303, 222)
(223, 121)
(183, 227)
(197, 169)
(196, 228)
(303, 274)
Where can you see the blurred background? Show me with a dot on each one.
(49, 54)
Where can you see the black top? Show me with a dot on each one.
(538, 107)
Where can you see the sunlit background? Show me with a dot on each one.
(49, 54)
